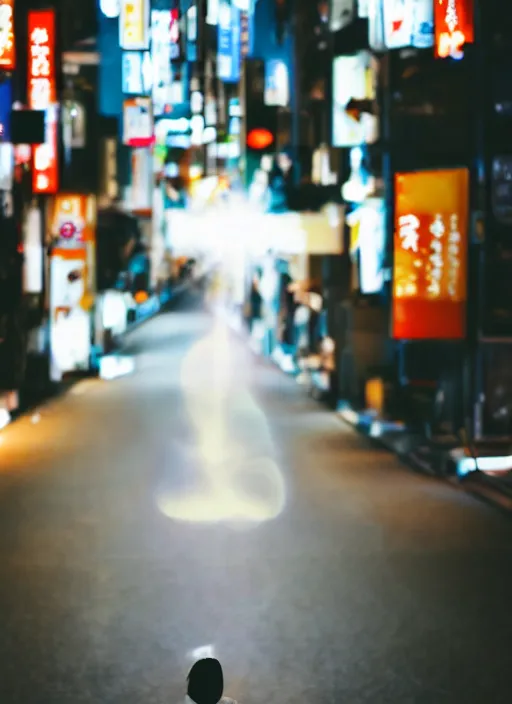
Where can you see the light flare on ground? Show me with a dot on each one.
(233, 447)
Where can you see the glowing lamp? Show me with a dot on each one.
(259, 138)
(110, 8)
(141, 297)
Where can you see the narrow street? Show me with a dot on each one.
(204, 504)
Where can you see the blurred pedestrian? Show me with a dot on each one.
(255, 300)
(206, 683)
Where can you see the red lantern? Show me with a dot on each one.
(259, 138)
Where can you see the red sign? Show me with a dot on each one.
(7, 48)
(41, 59)
(430, 255)
(45, 169)
(42, 95)
(454, 27)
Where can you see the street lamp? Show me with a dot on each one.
(110, 8)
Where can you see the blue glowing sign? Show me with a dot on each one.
(5, 111)
(229, 46)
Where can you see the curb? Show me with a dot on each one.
(441, 460)
(393, 436)
(489, 489)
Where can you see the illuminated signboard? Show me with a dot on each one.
(372, 245)
(191, 19)
(161, 59)
(137, 72)
(228, 43)
(42, 95)
(71, 224)
(408, 23)
(354, 78)
(430, 254)
(5, 111)
(134, 24)
(138, 122)
(453, 27)
(7, 48)
(376, 25)
(42, 89)
(246, 33)
(277, 83)
(175, 35)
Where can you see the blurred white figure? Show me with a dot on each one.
(233, 447)
(259, 189)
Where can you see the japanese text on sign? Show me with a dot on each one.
(453, 26)
(134, 24)
(42, 95)
(430, 254)
(41, 59)
(7, 50)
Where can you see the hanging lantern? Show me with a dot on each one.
(259, 138)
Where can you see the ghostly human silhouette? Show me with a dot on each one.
(206, 683)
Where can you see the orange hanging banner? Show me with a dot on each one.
(42, 95)
(454, 27)
(42, 90)
(430, 255)
(7, 41)
(72, 221)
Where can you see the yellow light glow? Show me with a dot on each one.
(233, 447)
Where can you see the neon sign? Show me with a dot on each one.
(42, 95)
(454, 27)
(7, 49)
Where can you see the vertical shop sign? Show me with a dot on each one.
(354, 78)
(376, 25)
(134, 24)
(408, 23)
(5, 110)
(246, 33)
(430, 254)
(228, 59)
(137, 72)
(454, 27)
(363, 9)
(277, 83)
(7, 46)
(138, 122)
(192, 33)
(42, 95)
(175, 35)
(41, 65)
(161, 59)
(72, 223)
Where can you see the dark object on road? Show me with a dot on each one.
(206, 682)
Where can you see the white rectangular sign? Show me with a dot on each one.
(134, 25)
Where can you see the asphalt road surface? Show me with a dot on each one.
(204, 505)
